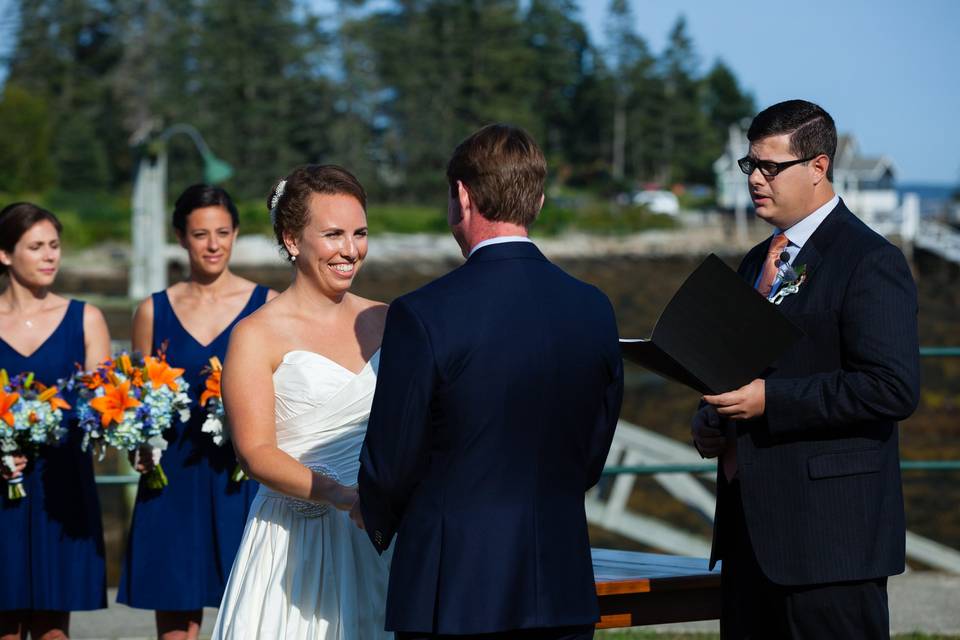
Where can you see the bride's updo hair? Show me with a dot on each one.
(289, 199)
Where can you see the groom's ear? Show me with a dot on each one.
(467, 207)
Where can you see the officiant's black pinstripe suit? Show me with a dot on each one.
(818, 497)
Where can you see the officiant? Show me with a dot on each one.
(810, 519)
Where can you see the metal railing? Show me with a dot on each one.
(704, 467)
(642, 470)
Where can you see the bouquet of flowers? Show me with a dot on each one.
(128, 402)
(215, 424)
(31, 414)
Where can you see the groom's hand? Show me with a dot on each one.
(707, 432)
(749, 401)
(356, 515)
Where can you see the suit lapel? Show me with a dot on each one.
(810, 257)
(812, 253)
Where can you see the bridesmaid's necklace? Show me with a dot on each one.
(28, 323)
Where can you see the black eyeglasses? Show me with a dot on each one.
(768, 168)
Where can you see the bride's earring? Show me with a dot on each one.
(293, 258)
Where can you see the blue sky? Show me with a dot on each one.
(887, 71)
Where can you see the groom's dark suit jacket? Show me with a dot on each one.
(497, 396)
(820, 471)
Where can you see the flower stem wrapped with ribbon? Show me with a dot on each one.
(216, 422)
(128, 402)
(31, 414)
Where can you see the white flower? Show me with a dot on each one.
(214, 427)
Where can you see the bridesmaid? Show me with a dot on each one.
(52, 539)
(184, 536)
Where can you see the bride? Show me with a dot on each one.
(297, 386)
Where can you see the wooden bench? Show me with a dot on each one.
(650, 588)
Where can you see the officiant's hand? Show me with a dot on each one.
(707, 432)
(749, 401)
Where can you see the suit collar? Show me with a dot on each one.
(814, 249)
(506, 251)
(799, 233)
(823, 238)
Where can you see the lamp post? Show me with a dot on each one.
(148, 268)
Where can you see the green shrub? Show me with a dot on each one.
(406, 218)
(87, 217)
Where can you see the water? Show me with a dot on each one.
(934, 198)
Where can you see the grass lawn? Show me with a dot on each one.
(652, 635)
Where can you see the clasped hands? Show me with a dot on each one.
(749, 401)
(12, 466)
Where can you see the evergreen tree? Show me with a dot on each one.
(559, 47)
(724, 101)
(255, 86)
(386, 90)
(445, 67)
(26, 132)
(64, 53)
(684, 125)
(724, 104)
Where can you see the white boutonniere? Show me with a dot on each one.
(793, 279)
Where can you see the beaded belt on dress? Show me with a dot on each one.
(306, 508)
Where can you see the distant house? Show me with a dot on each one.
(866, 183)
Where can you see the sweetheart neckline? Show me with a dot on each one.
(330, 360)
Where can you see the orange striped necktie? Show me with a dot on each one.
(728, 457)
(769, 273)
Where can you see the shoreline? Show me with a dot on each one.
(259, 251)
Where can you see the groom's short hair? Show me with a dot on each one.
(503, 170)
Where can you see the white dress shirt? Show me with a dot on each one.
(498, 240)
(797, 236)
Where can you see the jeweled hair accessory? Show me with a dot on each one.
(275, 200)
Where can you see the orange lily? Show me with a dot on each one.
(93, 381)
(56, 402)
(113, 403)
(7, 400)
(137, 378)
(160, 373)
(213, 387)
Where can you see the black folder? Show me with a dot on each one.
(716, 333)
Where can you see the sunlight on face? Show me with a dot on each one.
(783, 199)
(334, 242)
(208, 239)
(35, 259)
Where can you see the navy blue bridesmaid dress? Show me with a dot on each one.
(52, 539)
(184, 537)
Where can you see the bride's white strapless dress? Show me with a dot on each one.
(298, 574)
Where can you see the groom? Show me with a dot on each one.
(498, 392)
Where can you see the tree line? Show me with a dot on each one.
(385, 89)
